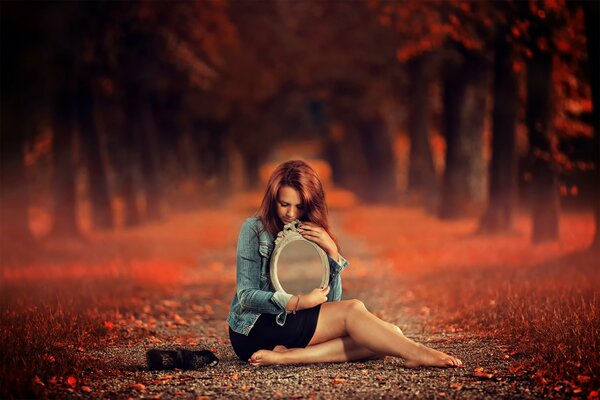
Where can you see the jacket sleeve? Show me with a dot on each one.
(335, 280)
(248, 264)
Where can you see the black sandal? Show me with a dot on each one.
(197, 359)
(160, 360)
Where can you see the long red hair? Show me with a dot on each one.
(300, 176)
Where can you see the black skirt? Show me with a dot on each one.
(297, 332)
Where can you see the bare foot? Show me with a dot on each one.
(267, 357)
(428, 357)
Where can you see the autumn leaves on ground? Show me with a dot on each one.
(66, 302)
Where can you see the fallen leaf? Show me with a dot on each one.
(583, 378)
(235, 376)
(49, 358)
(86, 389)
(171, 303)
(109, 325)
(481, 373)
(245, 388)
(456, 386)
(177, 318)
(72, 381)
(518, 369)
(593, 395)
(154, 339)
(337, 381)
(38, 381)
(139, 386)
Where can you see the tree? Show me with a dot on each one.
(19, 77)
(464, 98)
(503, 165)
(422, 177)
(453, 34)
(90, 141)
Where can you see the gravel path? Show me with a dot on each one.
(193, 316)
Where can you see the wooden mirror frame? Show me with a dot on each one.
(290, 234)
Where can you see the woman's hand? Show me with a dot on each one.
(315, 297)
(318, 235)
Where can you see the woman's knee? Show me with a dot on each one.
(396, 328)
(356, 305)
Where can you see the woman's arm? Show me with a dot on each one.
(248, 264)
(314, 298)
(337, 263)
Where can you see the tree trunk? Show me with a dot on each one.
(347, 158)
(98, 183)
(251, 168)
(17, 86)
(210, 147)
(592, 33)
(379, 155)
(214, 150)
(464, 91)
(14, 210)
(544, 186)
(422, 179)
(503, 166)
(124, 158)
(65, 205)
(146, 142)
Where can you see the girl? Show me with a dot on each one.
(268, 327)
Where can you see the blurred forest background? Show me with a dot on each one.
(452, 137)
(117, 113)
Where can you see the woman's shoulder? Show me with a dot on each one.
(254, 225)
(253, 222)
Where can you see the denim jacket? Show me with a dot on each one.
(254, 291)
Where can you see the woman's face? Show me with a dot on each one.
(289, 205)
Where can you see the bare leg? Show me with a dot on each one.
(335, 350)
(351, 318)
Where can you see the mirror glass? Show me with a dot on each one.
(299, 268)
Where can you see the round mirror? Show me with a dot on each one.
(298, 265)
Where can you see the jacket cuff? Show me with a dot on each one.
(338, 266)
(281, 299)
